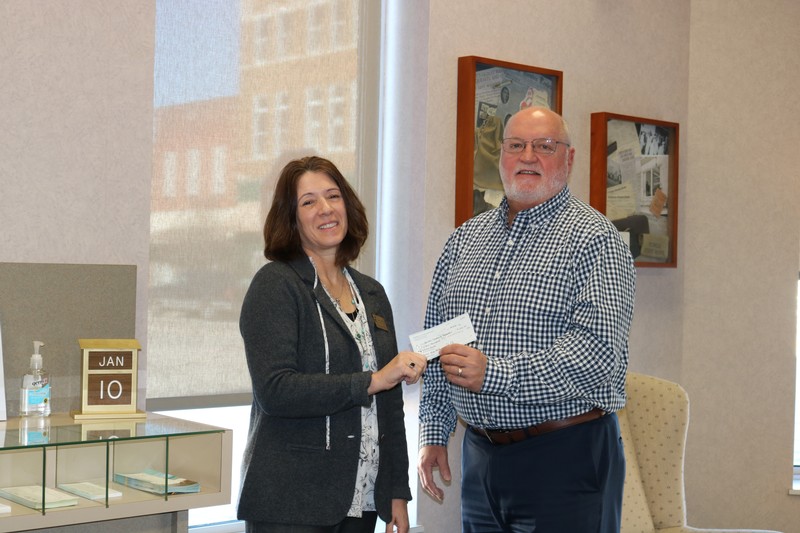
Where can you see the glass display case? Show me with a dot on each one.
(55, 471)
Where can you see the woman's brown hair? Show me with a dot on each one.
(281, 235)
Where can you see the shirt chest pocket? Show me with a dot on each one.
(551, 261)
(548, 279)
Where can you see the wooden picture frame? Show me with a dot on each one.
(634, 182)
(489, 92)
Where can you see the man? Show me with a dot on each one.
(548, 284)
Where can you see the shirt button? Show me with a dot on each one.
(488, 310)
(510, 242)
(497, 275)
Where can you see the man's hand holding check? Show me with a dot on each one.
(463, 365)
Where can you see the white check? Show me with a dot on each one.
(455, 331)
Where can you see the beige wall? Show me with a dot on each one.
(76, 130)
(75, 166)
(741, 229)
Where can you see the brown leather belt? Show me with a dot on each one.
(510, 436)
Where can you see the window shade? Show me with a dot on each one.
(240, 88)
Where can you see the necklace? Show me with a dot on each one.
(338, 301)
(341, 292)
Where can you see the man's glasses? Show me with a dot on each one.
(512, 145)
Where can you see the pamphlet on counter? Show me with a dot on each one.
(90, 491)
(31, 496)
(157, 482)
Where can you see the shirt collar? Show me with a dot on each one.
(537, 214)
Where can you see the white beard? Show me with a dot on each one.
(521, 194)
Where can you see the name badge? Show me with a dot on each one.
(380, 322)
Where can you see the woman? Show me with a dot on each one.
(326, 451)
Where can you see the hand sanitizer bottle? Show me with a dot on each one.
(34, 395)
(34, 430)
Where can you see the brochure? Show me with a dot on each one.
(31, 496)
(157, 482)
(90, 491)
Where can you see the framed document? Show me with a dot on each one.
(489, 92)
(634, 182)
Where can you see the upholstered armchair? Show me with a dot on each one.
(654, 424)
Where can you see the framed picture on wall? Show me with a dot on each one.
(489, 92)
(634, 182)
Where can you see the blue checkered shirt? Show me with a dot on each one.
(551, 301)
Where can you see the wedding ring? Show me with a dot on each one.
(459, 371)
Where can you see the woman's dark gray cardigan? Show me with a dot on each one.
(295, 470)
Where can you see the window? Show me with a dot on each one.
(280, 117)
(193, 172)
(261, 127)
(170, 175)
(338, 117)
(317, 30)
(344, 33)
(261, 39)
(232, 94)
(314, 106)
(220, 168)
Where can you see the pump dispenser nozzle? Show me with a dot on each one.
(36, 357)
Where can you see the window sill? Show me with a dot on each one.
(795, 490)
